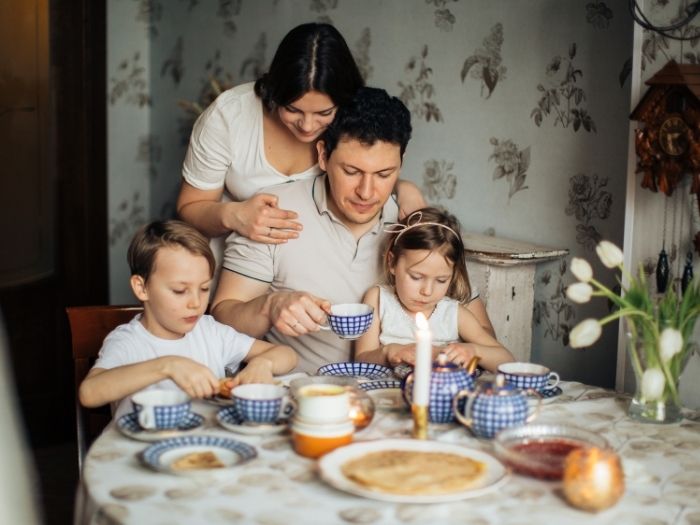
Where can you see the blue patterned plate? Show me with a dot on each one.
(551, 392)
(367, 371)
(380, 385)
(128, 425)
(386, 394)
(160, 456)
(230, 419)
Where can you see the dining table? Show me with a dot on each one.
(661, 465)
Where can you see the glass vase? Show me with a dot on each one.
(656, 398)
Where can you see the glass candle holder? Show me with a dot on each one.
(593, 479)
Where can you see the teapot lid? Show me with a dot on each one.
(441, 364)
(499, 387)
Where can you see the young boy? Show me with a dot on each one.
(173, 344)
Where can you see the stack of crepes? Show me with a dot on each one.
(412, 472)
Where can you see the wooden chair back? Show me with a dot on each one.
(89, 325)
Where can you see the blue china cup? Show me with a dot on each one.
(491, 407)
(161, 409)
(446, 380)
(349, 321)
(262, 403)
(529, 375)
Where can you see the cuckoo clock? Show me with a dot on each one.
(668, 139)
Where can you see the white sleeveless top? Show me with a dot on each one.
(397, 326)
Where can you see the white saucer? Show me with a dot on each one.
(229, 419)
(128, 425)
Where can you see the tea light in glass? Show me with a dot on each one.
(593, 478)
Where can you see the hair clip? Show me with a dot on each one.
(413, 221)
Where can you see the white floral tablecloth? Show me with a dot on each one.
(661, 463)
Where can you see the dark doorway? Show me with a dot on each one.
(52, 130)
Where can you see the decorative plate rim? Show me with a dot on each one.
(342, 369)
(150, 456)
(251, 430)
(157, 435)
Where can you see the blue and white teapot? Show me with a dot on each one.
(491, 407)
(446, 380)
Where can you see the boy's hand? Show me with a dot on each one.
(195, 379)
(459, 353)
(258, 370)
(225, 387)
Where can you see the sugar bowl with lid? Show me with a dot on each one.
(446, 380)
(491, 407)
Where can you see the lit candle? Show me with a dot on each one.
(421, 374)
(421, 378)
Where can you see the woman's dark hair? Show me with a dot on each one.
(311, 57)
(434, 230)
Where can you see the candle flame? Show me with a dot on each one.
(421, 321)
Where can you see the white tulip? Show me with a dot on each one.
(653, 383)
(670, 343)
(581, 269)
(610, 255)
(579, 292)
(585, 333)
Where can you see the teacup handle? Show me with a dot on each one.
(407, 382)
(287, 408)
(465, 419)
(552, 381)
(147, 418)
(538, 406)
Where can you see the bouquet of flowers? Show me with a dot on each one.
(659, 330)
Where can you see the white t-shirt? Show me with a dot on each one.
(227, 148)
(210, 343)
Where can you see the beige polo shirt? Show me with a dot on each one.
(325, 260)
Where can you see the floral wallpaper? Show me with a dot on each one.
(520, 115)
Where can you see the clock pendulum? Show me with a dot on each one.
(687, 276)
(662, 268)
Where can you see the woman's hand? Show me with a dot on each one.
(259, 219)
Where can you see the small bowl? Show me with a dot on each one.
(539, 451)
(313, 441)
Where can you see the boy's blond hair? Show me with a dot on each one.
(160, 234)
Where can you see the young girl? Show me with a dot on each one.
(426, 272)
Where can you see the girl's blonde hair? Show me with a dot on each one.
(435, 230)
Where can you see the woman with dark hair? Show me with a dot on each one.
(262, 134)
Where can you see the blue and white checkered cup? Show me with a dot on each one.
(262, 403)
(529, 376)
(349, 321)
(161, 409)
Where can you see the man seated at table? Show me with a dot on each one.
(284, 291)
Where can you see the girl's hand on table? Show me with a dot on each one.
(259, 219)
(397, 354)
(459, 353)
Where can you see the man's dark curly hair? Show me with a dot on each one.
(372, 115)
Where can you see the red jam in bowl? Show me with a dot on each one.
(542, 458)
